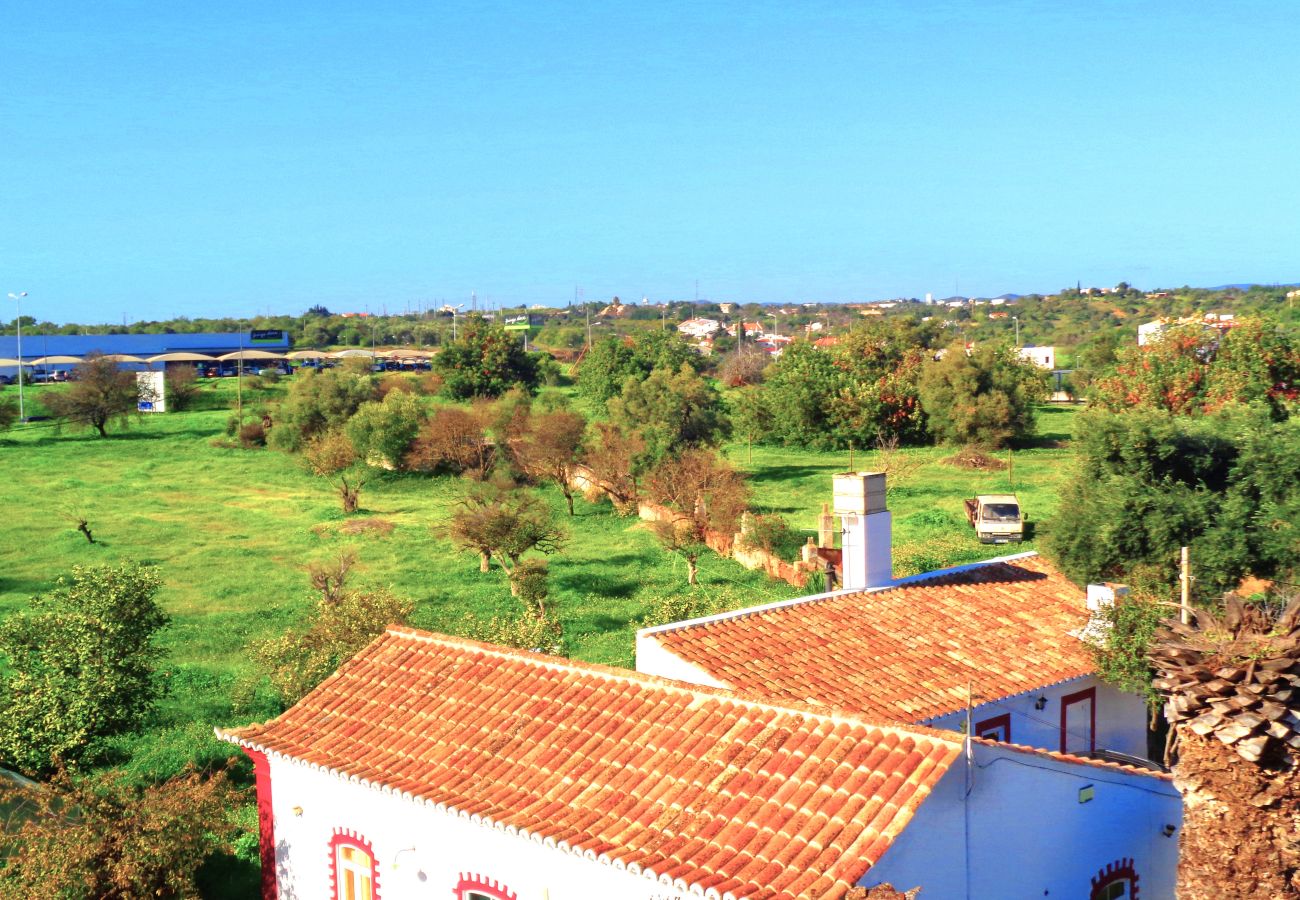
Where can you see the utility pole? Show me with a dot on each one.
(1185, 588)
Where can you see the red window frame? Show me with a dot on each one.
(481, 884)
(1089, 694)
(345, 837)
(1120, 870)
(995, 722)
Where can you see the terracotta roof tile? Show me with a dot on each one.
(751, 798)
(903, 654)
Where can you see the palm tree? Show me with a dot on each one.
(1231, 683)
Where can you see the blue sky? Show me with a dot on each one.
(192, 159)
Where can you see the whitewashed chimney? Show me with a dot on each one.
(867, 530)
(1102, 595)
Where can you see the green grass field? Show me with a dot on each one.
(231, 531)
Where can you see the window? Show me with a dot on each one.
(1118, 881)
(995, 728)
(1079, 722)
(352, 867)
(478, 887)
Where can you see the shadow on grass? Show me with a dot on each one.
(591, 583)
(785, 473)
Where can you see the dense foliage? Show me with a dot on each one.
(1148, 484)
(382, 432)
(78, 665)
(985, 396)
(485, 360)
(1195, 369)
(613, 361)
(317, 402)
(106, 838)
(671, 411)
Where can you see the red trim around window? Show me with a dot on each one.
(993, 723)
(480, 884)
(345, 837)
(1122, 870)
(1078, 697)
(265, 821)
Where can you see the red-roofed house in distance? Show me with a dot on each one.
(434, 767)
(1005, 636)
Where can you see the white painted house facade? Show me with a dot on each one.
(431, 767)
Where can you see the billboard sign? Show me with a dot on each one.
(522, 322)
(266, 336)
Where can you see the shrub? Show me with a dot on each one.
(524, 631)
(485, 360)
(396, 383)
(431, 384)
(984, 397)
(382, 433)
(452, 439)
(95, 680)
(181, 386)
(252, 434)
(772, 534)
(318, 401)
(98, 394)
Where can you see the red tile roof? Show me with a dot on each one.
(745, 797)
(905, 654)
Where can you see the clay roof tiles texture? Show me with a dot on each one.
(744, 797)
(905, 654)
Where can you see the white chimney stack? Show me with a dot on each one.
(866, 529)
(1100, 595)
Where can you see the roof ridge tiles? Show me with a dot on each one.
(702, 694)
(922, 578)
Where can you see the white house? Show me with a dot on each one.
(429, 766)
(1043, 357)
(998, 643)
(699, 328)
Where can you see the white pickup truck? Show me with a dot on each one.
(996, 518)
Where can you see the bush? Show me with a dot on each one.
(485, 360)
(772, 534)
(251, 435)
(382, 433)
(431, 384)
(396, 383)
(182, 387)
(454, 440)
(524, 631)
(985, 397)
(96, 679)
(318, 401)
(678, 607)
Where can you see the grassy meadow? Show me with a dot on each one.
(231, 531)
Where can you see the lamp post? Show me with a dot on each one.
(1016, 319)
(18, 298)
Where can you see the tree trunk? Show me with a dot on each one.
(568, 494)
(484, 561)
(1240, 823)
(692, 571)
(103, 432)
(351, 496)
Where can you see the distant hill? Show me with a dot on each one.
(1245, 286)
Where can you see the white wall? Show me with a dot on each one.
(652, 658)
(1024, 833)
(421, 851)
(1121, 717)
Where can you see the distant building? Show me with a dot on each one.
(726, 308)
(698, 328)
(1043, 357)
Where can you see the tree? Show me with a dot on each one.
(551, 449)
(319, 401)
(671, 411)
(984, 397)
(745, 366)
(342, 624)
(504, 524)
(106, 838)
(613, 459)
(1229, 680)
(8, 412)
(182, 387)
(485, 360)
(454, 439)
(98, 394)
(703, 495)
(611, 362)
(333, 457)
(751, 417)
(383, 432)
(1149, 483)
(96, 679)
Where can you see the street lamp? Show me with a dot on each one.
(1016, 320)
(18, 298)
